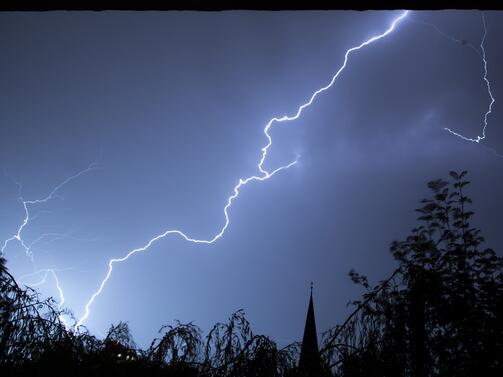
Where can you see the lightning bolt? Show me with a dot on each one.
(482, 54)
(230, 199)
(265, 174)
(27, 203)
(28, 247)
(52, 272)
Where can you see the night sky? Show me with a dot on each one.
(171, 107)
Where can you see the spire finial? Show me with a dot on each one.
(311, 288)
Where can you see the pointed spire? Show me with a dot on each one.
(310, 364)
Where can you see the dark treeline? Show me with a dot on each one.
(439, 313)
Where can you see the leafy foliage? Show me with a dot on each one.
(440, 313)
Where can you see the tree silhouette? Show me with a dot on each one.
(441, 311)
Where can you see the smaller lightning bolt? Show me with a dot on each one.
(27, 203)
(242, 182)
(478, 138)
(45, 273)
(28, 247)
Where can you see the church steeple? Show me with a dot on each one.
(310, 364)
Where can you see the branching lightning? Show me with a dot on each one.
(27, 203)
(264, 174)
(29, 246)
(46, 273)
